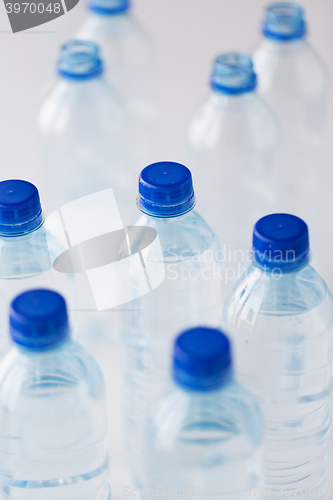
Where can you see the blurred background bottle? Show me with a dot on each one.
(53, 440)
(186, 254)
(83, 129)
(27, 249)
(204, 434)
(280, 315)
(233, 139)
(294, 81)
(130, 62)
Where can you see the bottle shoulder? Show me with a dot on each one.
(31, 253)
(182, 237)
(233, 122)
(258, 293)
(55, 373)
(290, 66)
(80, 104)
(230, 413)
(121, 31)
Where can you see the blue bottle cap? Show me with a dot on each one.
(233, 73)
(38, 319)
(166, 190)
(281, 241)
(284, 21)
(20, 208)
(80, 60)
(109, 7)
(202, 359)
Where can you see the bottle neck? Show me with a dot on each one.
(46, 352)
(206, 392)
(289, 293)
(288, 47)
(111, 18)
(25, 255)
(112, 26)
(171, 235)
(24, 236)
(234, 99)
(201, 397)
(18, 230)
(276, 272)
(82, 82)
(18, 236)
(110, 8)
(167, 220)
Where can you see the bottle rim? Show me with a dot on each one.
(109, 7)
(80, 60)
(233, 74)
(284, 21)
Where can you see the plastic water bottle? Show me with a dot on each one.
(280, 315)
(82, 124)
(294, 81)
(27, 249)
(204, 434)
(130, 62)
(53, 438)
(186, 254)
(233, 139)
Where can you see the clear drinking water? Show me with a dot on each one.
(187, 250)
(53, 428)
(232, 140)
(130, 62)
(280, 315)
(83, 129)
(27, 249)
(293, 79)
(204, 434)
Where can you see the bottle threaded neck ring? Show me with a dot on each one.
(109, 7)
(233, 73)
(80, 60)
(284, 21)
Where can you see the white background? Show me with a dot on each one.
(187, 35)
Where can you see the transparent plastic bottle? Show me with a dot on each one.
(130, 62)
(232, 139)
(280, 314)
(53, 438)
(27, 249)
(204, 434)
(294, 81)
(190, 294)
(83, 129)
